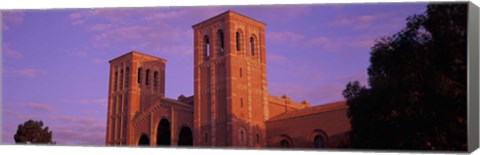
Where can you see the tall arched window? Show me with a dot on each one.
(115, 81)
(155, 79)
(221, 41)
(206, 47)
(147, 75)
(237, 40)
(121, 79)
(319, 142)
(252, 46)
(139, 76)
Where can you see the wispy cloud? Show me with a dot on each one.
(8, 52)
(100, 27)
(24, 72)
(39, 107)
(289, 38)
(10, 18)
(272, 57)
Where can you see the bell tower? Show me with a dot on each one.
(230, 84)
(135, 80)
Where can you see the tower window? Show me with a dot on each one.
(240, 72)
(206, 47)
(241, 102)
(139, 76)
(221, 40)
(252, 46)
(147, 75)
(115, 82)
(121, 79)
(155, 79)
(237, 40)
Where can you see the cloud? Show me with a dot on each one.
(101, 101)
(289, 38)
(100, 27)
(7, 51)
(80, 131)
(356, 22)
(24, 72)
(39, 107)
(96, 61)
(276, 58)
(324, 42)
(138, 35)
(162, 16)
(10, 18)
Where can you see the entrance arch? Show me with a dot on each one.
(185, 138)
(163, 133)
(144, 140)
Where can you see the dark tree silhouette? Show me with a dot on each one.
(33, 132)
(417, 95)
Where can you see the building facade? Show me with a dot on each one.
(231, 106)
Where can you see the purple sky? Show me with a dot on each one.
(55, 62)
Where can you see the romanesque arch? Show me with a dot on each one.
(143, 140)
(185, 138)
(284, 141)
(318, 139)
(163, 133)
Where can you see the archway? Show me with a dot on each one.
(185, 138)
(163, 132)
(144, 140)
(319, 142)
(284, 144)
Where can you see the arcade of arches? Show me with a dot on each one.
(230, 105)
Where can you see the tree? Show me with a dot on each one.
(417, 94)
(33, 132)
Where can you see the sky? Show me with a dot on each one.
(55, 62)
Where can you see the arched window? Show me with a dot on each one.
(139, 76)
(121, 79)
(115, 81)
(319, 142)
(237, 40)
(241, 102)
(252, 46)
(206, 47)
(155, 79)
(284, 144)
(147, 75)
(221, 41)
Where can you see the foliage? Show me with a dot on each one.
(417, 94)
(33, 132)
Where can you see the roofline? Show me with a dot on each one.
(136, 52)
(226, 12)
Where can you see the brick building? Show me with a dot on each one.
(231, 106)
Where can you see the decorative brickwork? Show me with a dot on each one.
(230, 107)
